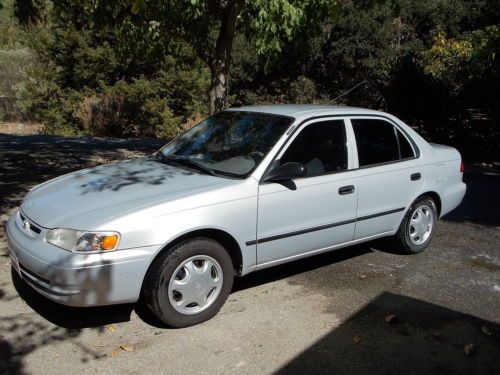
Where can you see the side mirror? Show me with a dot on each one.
(286, 172)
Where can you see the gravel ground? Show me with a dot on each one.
(356, 310)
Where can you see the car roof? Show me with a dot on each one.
(304, 110)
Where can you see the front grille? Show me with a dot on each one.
(30, 224)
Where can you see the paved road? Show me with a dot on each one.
(326, 314)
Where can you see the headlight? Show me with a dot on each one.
(82, 241)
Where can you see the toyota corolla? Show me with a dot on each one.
(246, 189)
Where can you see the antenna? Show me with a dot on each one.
(347, 92)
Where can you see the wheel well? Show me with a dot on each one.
(435, 197)
(224, 238)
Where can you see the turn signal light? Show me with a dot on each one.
(109, 242)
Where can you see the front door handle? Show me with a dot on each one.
(349, 189)
(416, 176)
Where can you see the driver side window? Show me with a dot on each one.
(321, 147)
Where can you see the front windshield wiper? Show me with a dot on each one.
(159, 156)
(191, 163)
(178, 160)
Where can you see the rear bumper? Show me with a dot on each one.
(78, 279)
(452, 197)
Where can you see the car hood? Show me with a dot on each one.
(110, 189)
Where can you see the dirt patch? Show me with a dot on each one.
(20, 128)
(485, 261)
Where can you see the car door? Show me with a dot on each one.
(314, 212)
(388, 176)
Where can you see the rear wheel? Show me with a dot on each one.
(189, 283)
(418, 227)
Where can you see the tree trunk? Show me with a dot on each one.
(219, 66)
(218, 88)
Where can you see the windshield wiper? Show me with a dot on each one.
(178, 160)
(189, 163)
(162, 158)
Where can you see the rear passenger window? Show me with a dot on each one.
(321, 147)
(404, 146)
(379, 141)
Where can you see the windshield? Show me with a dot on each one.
(228, 143)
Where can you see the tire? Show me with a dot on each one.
(189, 283)
(411, 237)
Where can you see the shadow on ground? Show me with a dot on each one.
(422, 338)
(304, 265)
(67, 316)
(28, 334)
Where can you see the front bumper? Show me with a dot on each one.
(77, 279)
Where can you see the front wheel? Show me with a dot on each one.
(418, 227)
(189, 283)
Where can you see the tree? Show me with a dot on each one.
(208, 26)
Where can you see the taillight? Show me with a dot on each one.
(461, 166)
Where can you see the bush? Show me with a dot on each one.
(156, 107)
(14, 65)
(303, 90)
(122, 81)
(127, 110)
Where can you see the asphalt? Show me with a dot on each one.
(360, 310)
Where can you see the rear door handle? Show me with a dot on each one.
(349, 189)
(416, 176)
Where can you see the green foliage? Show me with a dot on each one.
(467, 68)
(433, 63)
(142, 108)
(303, 90)
(455, 61)
(208, 27)
(145, 107)
(143, 68)
(10, 34)
(120, 80)
(272, 21)
(13, 75)
(16, 59)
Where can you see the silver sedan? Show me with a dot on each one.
(246, 189)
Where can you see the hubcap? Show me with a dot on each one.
(421, 223)
(195, 284)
